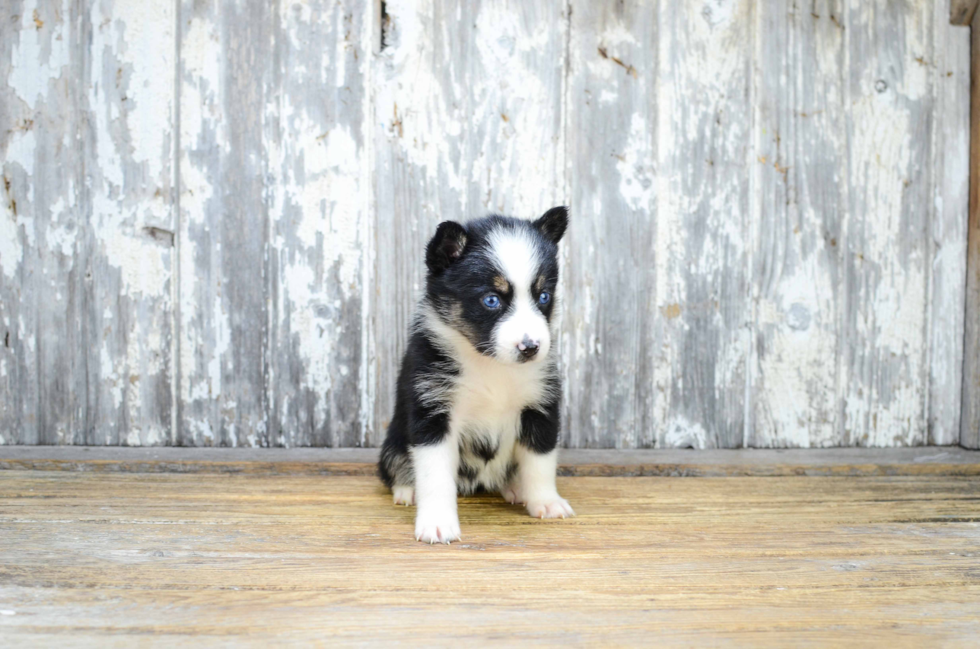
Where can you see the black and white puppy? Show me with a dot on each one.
(478, 392)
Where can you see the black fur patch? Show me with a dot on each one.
(484, 448)
(511, 472)
(539, 430)
(468, 473)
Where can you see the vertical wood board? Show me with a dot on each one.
(87, 224)
(613, 334)
(226, 53)
(798, 204)
(128, 238)
(888, 88)
(38, 310)
(317, 111)
(702, 256)
(951, 164)
(970, 421)
(274, 205)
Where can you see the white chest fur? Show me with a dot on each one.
(485, 417)
(486, 400)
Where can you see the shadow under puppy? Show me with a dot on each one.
(477, 405)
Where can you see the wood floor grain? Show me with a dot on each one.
(120, 559)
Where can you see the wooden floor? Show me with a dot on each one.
(103, 559)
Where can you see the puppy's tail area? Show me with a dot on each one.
(395, 464)
(384, 465)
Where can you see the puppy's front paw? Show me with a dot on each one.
(437, 527)
(554, 507)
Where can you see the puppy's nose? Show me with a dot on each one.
(528, 348)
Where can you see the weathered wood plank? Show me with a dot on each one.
(970, 421)
(87, 224)
(39, 314)
(702, 265)
(320, 238)
(917, 461)
(961, 12)
(273, 239)
(883, 369)
(799, 196)
(612, 332)
(127, 241)
(97, 560)
(227, 57)
(951, 169)
(468, 121)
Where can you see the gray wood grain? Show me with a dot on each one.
(970, 422)
(703, 221)
(834, 462)
(961, 12)
(128, 126)
(890, 134)
(950, 164)
(226, 52)
(38, 309)
(87, 168)
(799, 197)
(613, 330)
(467, 114)
(319, 209)
(274, 203)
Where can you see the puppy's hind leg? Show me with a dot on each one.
(403, 495)
(395, 469)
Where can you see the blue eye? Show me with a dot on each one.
(544, 298)
(491, 301)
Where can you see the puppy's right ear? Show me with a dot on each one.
(446, 247)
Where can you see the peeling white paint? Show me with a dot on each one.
(682, 433)
(39, 57)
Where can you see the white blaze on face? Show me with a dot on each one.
(515, 254)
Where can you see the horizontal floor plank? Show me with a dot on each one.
(104, 559)
(943, 460)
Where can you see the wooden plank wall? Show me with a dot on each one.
(87, 128)
(970, 430)
(213, 213)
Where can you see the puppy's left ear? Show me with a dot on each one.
(552, 223)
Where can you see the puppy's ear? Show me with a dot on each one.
(552, 223)
(446, 246)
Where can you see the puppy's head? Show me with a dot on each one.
(494, 280)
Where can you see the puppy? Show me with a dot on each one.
(477, 405)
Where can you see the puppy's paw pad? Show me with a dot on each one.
(556, 507)
(404, 495)
(511, 495)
